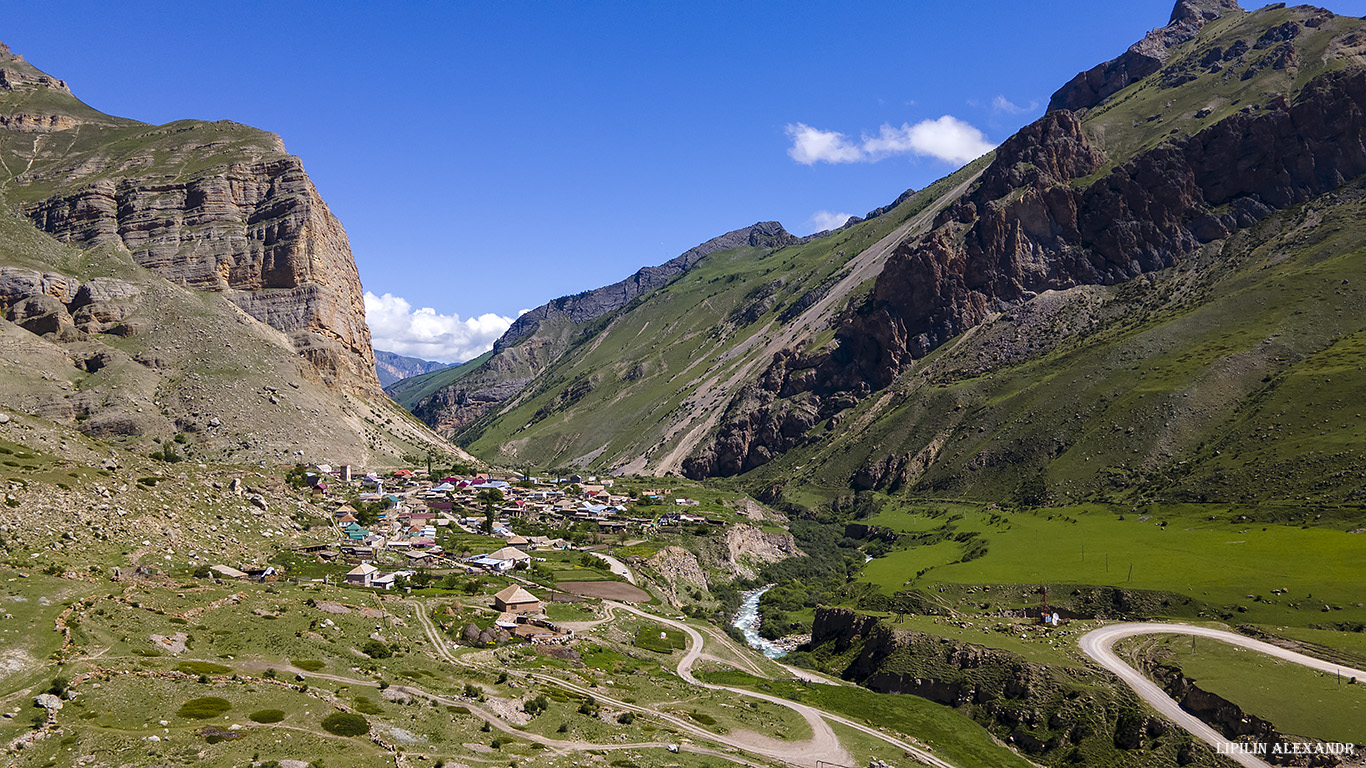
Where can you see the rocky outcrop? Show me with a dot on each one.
(1047, 712)
(1143, 58)
(49, 303)
(676, 570)
(748, 548)
(16, 74)
(212, 206)
(258, 232)
(1230, 719)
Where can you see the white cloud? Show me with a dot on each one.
(1002, 104)
(811, 145)
(821, 221)
(396, 327)
(947, 138)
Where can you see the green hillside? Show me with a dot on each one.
(631, 379)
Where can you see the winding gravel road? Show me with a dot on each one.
(823, 746)
(1099, 645)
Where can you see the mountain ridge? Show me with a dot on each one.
(1119, 219)
(538, 337)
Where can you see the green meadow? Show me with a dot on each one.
(1299, 700)
(1213, 555)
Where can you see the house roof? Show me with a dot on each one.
(510, 553)
(514, 595)
(362, 570)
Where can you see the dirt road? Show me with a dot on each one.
(617, 567)
(1099, 645)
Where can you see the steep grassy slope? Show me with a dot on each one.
(538, 337)
(638, 388)
(414, 389)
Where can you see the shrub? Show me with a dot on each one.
(376, 650)
(367, 706)
(267, 716)
(626, 718)
(345, 724)
(308, 665)
(204, 707)
(537, 705)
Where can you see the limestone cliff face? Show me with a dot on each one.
(248, 222)
(258, 232)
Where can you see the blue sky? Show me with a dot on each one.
(487, 157)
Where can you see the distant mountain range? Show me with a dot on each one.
(392, 368)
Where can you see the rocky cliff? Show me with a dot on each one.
(213, 206)
(180, 289)
(1054, 211)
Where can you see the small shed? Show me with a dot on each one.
(514, 599)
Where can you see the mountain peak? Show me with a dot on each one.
(1143, 58)
(17, 74)
(1201, 11)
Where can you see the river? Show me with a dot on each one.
(747, 621)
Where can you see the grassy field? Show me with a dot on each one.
(1298, 700)
(1206, 552)
(661, 640)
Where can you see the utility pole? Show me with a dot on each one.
(1131, 572)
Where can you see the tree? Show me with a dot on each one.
(490, 497)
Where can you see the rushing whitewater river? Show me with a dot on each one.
(748, 619)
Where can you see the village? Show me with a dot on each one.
(407, 526)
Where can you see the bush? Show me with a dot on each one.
(345, 724)
(626, 718)
(204, 707)
(267, 716)
(308, 665)
(537, 705)
(376, 650)
(702, 718)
